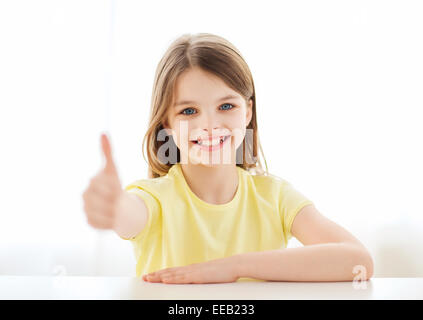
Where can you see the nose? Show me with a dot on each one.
(209, 123)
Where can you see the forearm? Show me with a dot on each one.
(320, 262)
(131, 215)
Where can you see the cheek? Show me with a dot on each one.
(181, 132)
(238, 127)
(238, 136)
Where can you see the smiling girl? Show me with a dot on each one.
(209, 212)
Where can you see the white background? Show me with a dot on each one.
(339, 82)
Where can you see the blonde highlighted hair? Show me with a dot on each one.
(219, 57)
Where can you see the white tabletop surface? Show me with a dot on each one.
(117, 288)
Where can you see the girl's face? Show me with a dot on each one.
(207, 120)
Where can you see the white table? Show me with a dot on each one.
(117, 288)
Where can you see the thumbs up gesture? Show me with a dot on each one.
(103, 192)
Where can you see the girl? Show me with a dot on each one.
(209, 212)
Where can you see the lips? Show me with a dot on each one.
(212, 147)
(211, 141)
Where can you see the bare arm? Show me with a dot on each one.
(330, 253)
(320, 262)
(131, 215)
(108, 206)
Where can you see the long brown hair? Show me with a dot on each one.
(212, 54)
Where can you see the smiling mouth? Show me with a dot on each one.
(211, 143)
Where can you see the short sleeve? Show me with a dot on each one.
(291, 201)
(153, 210)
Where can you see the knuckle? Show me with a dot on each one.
(93, 222)
(87, 207)
(90, 221)
(88, 203)
(86, 194)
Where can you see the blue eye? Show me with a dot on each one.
(228, 104)
(187, 109)
(189, 113)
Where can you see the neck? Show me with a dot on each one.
(215, 184)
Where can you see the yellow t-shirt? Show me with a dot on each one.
(182, 229)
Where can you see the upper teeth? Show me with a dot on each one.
(213, 142)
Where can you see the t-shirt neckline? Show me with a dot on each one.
(201, 202)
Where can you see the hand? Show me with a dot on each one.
(103, 192)
(213, 271)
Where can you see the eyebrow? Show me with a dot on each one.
(184, 102)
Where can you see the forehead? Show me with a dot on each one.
(197, 86)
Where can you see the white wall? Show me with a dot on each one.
(340, 80)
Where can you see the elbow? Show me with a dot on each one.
(363, 270)
(362, 264)
(370, 265)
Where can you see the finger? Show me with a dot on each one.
(98, 215)
(162, 271)
(158, 276)
(97, 202)
(153, 279)
(182, 278)
(100, 222)
(98, 207)
(107, 151)
(111, 181)
(104, 187)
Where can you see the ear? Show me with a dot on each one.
(249, 111)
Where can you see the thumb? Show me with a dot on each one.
(107, 151)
